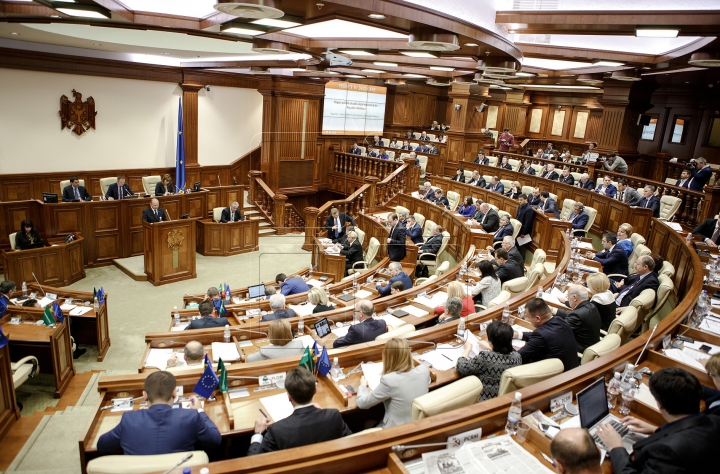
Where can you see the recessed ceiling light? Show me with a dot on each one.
(415, 75)
(471, 45)
(373, 71)
(359, 52)
(377, 16)
(442, 68)
(344, 29)
(420, 54)
(84, 11)
(381, 63)
(288, 22)
(656, 32)
(242, 29)
(15, 33)
(524, 74)
(607, 63)
(355, 76)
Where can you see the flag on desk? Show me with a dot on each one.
(228, 293)
(94, 293)
(220, 310)
(206, 361)
(180, 153)
(222, 371)
(307, 360)
(101, 295)
(3, 339)
(48, 317)
(221, 288)
(207, 384)
(315, 352)
(324, 365)
(57, 312)
(3, 307)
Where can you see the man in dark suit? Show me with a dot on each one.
(487, 218)
(527, 169)
(496, 186)
(583, 317)
(459, 175)
(377, 141)
(507, 268)
(352, 250)
(232, 213)
(160, 429)
(368, 328)
(613, 259)
(552, 338)
(409, 135)
(566, 177)
(709, 231)
(119, 190)
(413, 230)
(433, 244)
(477, 180)
(526, 216)
(548, 205)
(335, 224)
(441, 200)
(534, 198)
(686, 443)
(371, 152)
(481, 159)
(649, 200)
(427, 193)
(625, 193)
(308, 424)
(550, 172)
(504, 164)
(504, 229)
(508, 243)
(406, 146)
(7, 287)
(633, 285)
(684, 180)
(700, 172)
(75, 192)
(206, 309)
(585, 182)
(423, 137)
(396, 274)
(154, 213)
(355, 150)
(433, 149)
(422, 148)
(396, 240)
(277, 306)
(578, 218)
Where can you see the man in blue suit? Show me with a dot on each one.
(649, 200)
(368, 328)
(578, 218)
(701, 173)
(613, 259)
(607, 188)
(291, 286)
(160, 429)
(413, 230)
(684, 180)
(496, 186)
(206, 309)
(548, 205)
(396, 274)
(119, 190)
(75, 192)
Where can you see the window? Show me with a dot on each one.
(679, 130)
(648, 132)
(714, 137)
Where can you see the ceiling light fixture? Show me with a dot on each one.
(656, 32)
(420, 54)
(525, 74)
(442, 68)
(244, 29)
(381, 63)
(360, 52)
(705, 58)
(81, 10)
(250, 8)
(284, 22)
(372, 71)
(471, 45)
(355, 76)
(604, 63)
(419, 76)
(377, 16)
(15, 33)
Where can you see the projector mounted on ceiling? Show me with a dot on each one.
(432, 40)
(334, 59)
(250, 8)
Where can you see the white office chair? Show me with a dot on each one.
(149, 183)
(12, 240)
(669, 205)
(141, 464)
(105, 184)
(66, 182)
(217, 213)
(370, 253)
(24, 369)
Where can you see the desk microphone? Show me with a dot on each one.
(423, 342)
(182, 461)
(279, 383)
(403, 447)
(218, 177)
(645, 347)
(33, 317)
(38, 283)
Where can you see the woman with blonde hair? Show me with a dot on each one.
(399, 385)
(455, 288)
(282, 343)
(164, 186)
(712, 395)
(623, 235)
(604, 300)
(318, 297)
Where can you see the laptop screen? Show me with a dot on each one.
(592, 404)
(256, 291)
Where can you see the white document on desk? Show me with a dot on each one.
(226, 350)
(685, 358)
(502, 454)
(302, 309)
(44, 301)
(414, 310)
(80, 310)
(710, 325)
(643, 394)
(415, 194)
(314, 282)
(451, 352)
(181, 327)
(159, 357)
(278, 406)
(472, 339)
(435, 300)
(307, 340)
(67, 307)
(372, 373)
(438, 360)
(586, 245)
(523, 240)
(697, 344)
(392, 321)
(360, 294)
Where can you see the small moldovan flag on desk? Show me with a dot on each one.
(48, 317)
(219, 306)
(57, 312)
(3, 339)
(307, 360)
(207, 384)
(228, 293)
(223, 376)
(324, 363)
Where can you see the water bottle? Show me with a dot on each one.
(613, 390)
(626, 398)
(176, 315)
(506, 313)
(514, 414)
(567, 233)
(226, 333)
(24, 289)
(335, 370)
(96, 305)
(463, 270)
(540, 292)
(702, 306)
(461, 330)
(301, 326)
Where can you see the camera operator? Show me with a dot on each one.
(700, 173)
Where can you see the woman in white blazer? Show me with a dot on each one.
(400, 384)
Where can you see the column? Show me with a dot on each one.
(190, 123)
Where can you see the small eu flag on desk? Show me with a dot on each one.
(3, 339)
(57, 312)
(207, 384)
(324, 363)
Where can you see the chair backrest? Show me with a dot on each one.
(461, 393)
(453, 200)
(514, 163)
(399, 209)
(431, 136)
(105, 184)
(403, 330)
(497, 209)
(667, 269)
(12, 240)
(538, 169)
(608, 344)
(517, 225)
(360, 235)
(468, 175)
(442, 268)
(428, 229)
(22, 370)
(217, 213)
(527, 190)
(592, 214)
(501, 298)
(507, 184)
(527, 374)
(624, 324)
(420, 219)
(534, 275)
(670, 180)
(553, 196)
(539, 256)
(391, 155)
(149, 183)
(493, 160)
(372, 250)
(66, 182)
(576, 176)
(669, 205)
(443, 245)
(637, 239)
(515, 286)
(638, 251)
(567, 208)
(504, 213)
(643, 302)
(663, 292)
(414, 145)
(126, 464)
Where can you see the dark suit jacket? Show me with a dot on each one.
(609, 192)
(112, 191)
(279, 314)
(402, 276)
(569, 179)
(579, 222)
(684, 447)
(529, 170)
(492, 220)
(22, 242)
(330, 222)
(552, 340)
(366, 331)
(509, 271)
(506, 166)
(499, 188)
(485, 161)
(654, 204)
(553, 175)
(148, 215)
(442, 201)
(502, 232)
(432, 245)
(160, 430)
(68, 194)
(480, 182)
(225, 215)
(460, 178)
(550, 206)
(613, 261)
(396, 248)
(700, 178)
(533, 201)
(711, 395)
(585, 323)
(305, 426)
(706, 229)
(160, 188)
(207, 322)
(526, 216)
(353, 253)
(682, 183)
(589, 184)
(415, 233)
(649, 281)
(428, 196)
(355, 151)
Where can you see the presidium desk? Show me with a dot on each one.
(58, 264)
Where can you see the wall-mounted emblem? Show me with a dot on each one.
(77, 116)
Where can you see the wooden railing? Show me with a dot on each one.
(293, 219)
(269, 204)
(543, 161)
(362, 166)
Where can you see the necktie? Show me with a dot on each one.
(77, 194)
(647, 202)
(620, 297)
(120, 192)
(155, 214)
(337, 227)
(572, 217)
(716, 234)
(621, 196)
(232, 216)
(483, 219)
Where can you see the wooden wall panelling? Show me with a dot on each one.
(106, 237)
(13, 213)
(9, 411)
(701, 148)
(593, 126)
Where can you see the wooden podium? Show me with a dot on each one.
(169, 250)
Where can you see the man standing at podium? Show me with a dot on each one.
(75, 192)
(118, 190)
(232, 213)
(154, 213)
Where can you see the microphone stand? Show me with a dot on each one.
(645, 347)
(38, 283)
(182, 461)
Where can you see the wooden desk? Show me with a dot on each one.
(60, 264)
(9, 411)
(223, 239)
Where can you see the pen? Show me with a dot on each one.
(547, 458)
(263, 413)
(448, 358)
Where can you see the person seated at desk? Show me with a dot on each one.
(607, 188)
(335, 224)
(355, 150)
(712, 395)
(614, 259)
(423, 148)
(534, 198)
(433, 149)
(441, 138)
(74, 192)
(308, 423)
(119, 190)
(583, 317)
(406, 146)
(578, 218)
(194, 352)
(165, 187)
(317, 297)
(459, 176)
(548, 205)
(615, 163)
(487, 218)
(423, 136)
(455, 288)
(540, 153)
(231, 213)
(413, 230)
(352, 251)
(552, 338)
(160, 429)
(366, 330)
(7, 288)
(371, 152)
(550, 172)
(207, 320)
(477, 180)
(507, 268)
(377, 141)
(496, 186)
(598, 285)
(625, 193)
(154, 213)
(585, 182)
(488, 287)
(505, 229)
(269, 291)
(441, 200)
(277, 306)
(504, 164)
(396, 274)
(432, 245)
(409, 135)
(400, 384)
(282, 343)
(709, 230)
(526, 168)
(515, 190)
(686, 443)
(649, 200)
(397, 287)
(508, 243)
(292, 285)
(382, 155)
(684, 180)
(467, 208)
(427, 192)
(633, 285)
(453, 310)
(624, 232)
(497, 355)
(394, 143)
(566, 177)
(575, 452)
(27, 237)
(481, 159)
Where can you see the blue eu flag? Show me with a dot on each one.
(207, 383)
(3, 339)
(180, 152)
(324, 363)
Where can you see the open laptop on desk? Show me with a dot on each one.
(256, 291)
(593, 408)
(35, 245)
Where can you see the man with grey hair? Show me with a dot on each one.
(396, 274)
(583, 317)
(367, 330)
(427, 192)
(402, 217)
(585, 182)
(277, 305)
(432, 245)
(232, 213)
(496, 186)
(194, 352)
(335, 224)
(352, 251)
(649, 200)
(633, 285)
(701, 172)
(453, 308)
(477, 180)
(487, 218)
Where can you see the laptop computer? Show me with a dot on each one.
(593, 408)
(256, 291)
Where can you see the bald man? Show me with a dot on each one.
(154, 213)
(575, 452)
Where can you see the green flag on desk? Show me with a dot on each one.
(222, 373)
(307, 360)
(48, 317)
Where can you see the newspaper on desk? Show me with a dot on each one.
(303, 309)
(159, 357)
(314, 282)
(500, 454)
(710, 324)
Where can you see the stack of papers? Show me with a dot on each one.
(392, 321)
(225, 350)
(159, 357)
(414, 310)
(586, 245)
(314, 282)
(304, 309)
(67, 307)
(435, 300)
(277, 407)
(44, 301)
(360, 294)
(80, 310)
(554, 295)
(687, 357)
(332, 251)
(372, 373)
(674, 226)
(444, 357)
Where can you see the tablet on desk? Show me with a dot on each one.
(256, 291)
(322, 328)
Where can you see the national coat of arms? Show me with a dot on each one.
(77, 116)
(175, 239)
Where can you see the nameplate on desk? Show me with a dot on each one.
(52, 296)
(15, 320)
(557, 403)
(455, 441)
(271, 379)
(253, 312)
